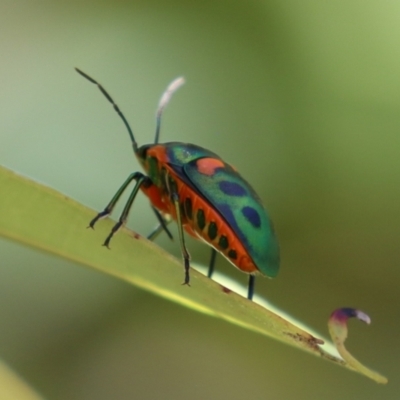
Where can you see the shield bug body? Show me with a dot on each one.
(205, 196)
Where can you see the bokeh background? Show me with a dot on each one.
(302, 97)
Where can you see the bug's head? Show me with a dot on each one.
(141, 153)
(147, 156)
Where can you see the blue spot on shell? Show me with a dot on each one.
(252, 216)
(232, 188)
(226, 211)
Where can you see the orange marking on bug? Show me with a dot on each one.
(243, 261)
(159, 152)
(207, 166)
(156, 198)
(163, 203)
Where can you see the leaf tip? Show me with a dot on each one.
(338, 330)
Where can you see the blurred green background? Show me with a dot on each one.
(302, 97)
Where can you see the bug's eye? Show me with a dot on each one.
(142, 151)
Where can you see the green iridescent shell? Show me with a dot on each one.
(236, 201)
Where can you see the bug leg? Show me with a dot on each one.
(212, 262)
(110, 206)
(162, 226)
(155, 232)
(140, 180)
(185, 253)
(250, 291)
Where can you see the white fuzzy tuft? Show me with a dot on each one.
(171, 89)
(363, 317)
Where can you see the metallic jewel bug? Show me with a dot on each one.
(205, 196)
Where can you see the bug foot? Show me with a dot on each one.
(100, 215)
(113, 230)
(107, 241)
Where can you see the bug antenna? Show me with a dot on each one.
(165, 98)
(116, 108)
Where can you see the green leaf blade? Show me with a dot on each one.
(42, 218)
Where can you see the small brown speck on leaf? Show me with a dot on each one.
(226, 290)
